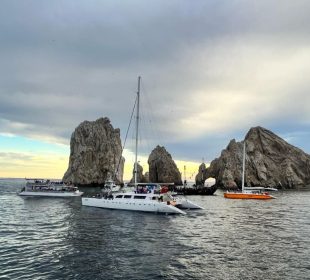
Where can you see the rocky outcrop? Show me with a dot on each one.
(140, 177)
(270, 162)
(162, 168)
(201, 176)
(147, 177)
(95, 152)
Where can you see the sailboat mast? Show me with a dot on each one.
(137, 130)
(243, 166)
(185, 182)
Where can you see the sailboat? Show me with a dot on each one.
(148, 200)
(248, 193)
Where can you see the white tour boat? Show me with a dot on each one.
(42, 187)
(135, 201)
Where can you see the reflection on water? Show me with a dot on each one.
(48, 238)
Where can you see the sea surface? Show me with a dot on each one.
(55, 238)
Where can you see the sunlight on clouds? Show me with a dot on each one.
(47, 138)
(7, 134)
(191, 169)
(247, 83)
(129, 164)
(10, 127)
(20, 165)
(14, 129)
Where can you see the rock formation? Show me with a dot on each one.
(270, 162)
(162, 168)
(201, 176)
(140, 177)
(95, 152)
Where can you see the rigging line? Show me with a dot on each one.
(156, 127)
(144, 136)
(150, 117)
(119, 161)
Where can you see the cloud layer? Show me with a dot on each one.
(210, 69)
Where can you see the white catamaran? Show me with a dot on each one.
(149, 200)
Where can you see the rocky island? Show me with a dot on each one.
(270, 162)
(162, 168)
(95, 154)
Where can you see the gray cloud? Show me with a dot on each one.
(211, 69)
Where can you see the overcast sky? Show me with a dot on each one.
(210, 71)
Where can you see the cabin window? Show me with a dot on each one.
(119, 196)
(139, 197)
(127, 196)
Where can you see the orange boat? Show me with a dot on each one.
(248, 193)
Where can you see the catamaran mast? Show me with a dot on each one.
(137, 130)
(185, 182)
(243, 166)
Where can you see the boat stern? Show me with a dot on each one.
(174, 210)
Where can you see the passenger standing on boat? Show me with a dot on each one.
(164, 189)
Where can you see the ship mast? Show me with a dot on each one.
(185, 181)
(243, 166)
(137, 132)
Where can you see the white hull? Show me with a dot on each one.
(51, 193)
(184, 203)
(132, 205)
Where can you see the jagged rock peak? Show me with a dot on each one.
(201, 176)
(140, 177)
(95, 152)
(162, 168)
(267, 141)
(270, 161)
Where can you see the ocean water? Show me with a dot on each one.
(54, 238)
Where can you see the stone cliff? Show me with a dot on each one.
(95, 152)
(140, 177)
(162, 168)
(270, 162)
(201, 176)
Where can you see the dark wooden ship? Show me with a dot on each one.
(194, 189)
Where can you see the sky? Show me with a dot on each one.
(210, 71)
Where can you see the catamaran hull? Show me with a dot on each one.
(51, 194)
(247, 195)
(145, 206)
(187, 204)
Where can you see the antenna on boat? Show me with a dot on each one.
(137, 130)
(243, 166)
